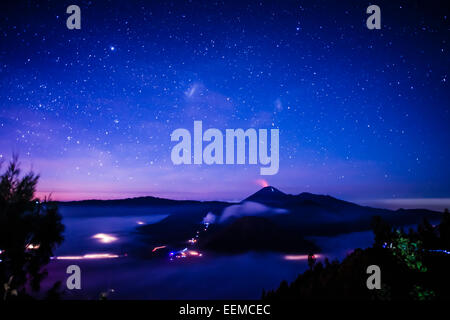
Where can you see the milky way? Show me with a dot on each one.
(362, 114)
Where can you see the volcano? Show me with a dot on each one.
(269, 196)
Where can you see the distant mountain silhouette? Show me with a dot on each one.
(272, 196)
(269, 196)
(305, 214)
(137, 207)
(138, 201)
(314, 214)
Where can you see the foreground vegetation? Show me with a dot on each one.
(29, 232)
(414, 266)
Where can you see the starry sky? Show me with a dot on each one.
(363, 114)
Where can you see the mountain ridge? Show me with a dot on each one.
(269, 196)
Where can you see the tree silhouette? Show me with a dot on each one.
(311, 260)
(29, 232)
(382, 231)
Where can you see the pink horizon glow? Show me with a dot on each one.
(436, 204)
(300, 256)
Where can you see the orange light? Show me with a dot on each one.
(263, 183)
(33, 246)
(157, 248)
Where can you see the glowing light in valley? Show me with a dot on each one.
(33, 246)
(157, 248)
(90, 256)
(104, 238)
(140, 222)
(194, 253)
(300, 256)
(263, 183)
(184, 253)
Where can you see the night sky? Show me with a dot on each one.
(363, 114)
